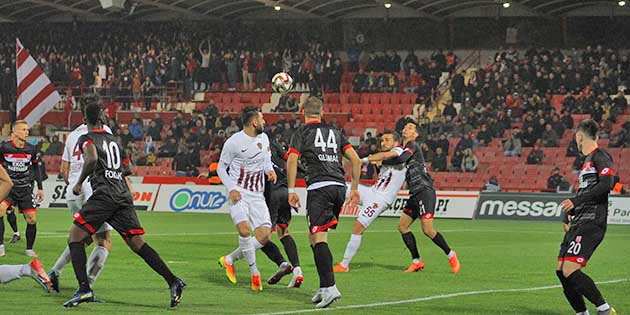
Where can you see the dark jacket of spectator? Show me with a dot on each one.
(536, 156)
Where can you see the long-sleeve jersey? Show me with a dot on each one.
(596, 180)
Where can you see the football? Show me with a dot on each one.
(282, 83)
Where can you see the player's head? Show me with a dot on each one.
(251, 116)
(389, 140)
(313, 108)
(92, 114)
(586, 131)
(19, 130)
(410, 130)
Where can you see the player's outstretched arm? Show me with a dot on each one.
(5, 183)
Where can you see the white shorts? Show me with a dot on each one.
(372, 205)
(75, 203)
(252, 208)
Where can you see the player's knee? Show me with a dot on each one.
(135, 243)
(403, 228)
(568, 270)
(31, 220)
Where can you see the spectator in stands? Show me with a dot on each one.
(456, 161)
(414, 81)
(149, 145)
(536, 155)
(138, 157)
(55, 147)
(426, 152)
(512, 146)
(605, 129)
(439, 161)
(621, 139)
(554, 180)
(336, 73)
(620, 103)
(181, 163)
(232, 128)
(528, 138)
(43, 145)
(470, 162)
(372, 82)
(168, 149)
(443, 143)
(136, 129)
(557, 126)
(154, 132)
(492, 185)
(370, 139)
(391, 83)
(484, 136)
(564, 186)
(360, 82)
(147, 92)
(457, 87)
(549, 137)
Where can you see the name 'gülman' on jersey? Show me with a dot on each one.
(592, 203)
(321, 148)
(19, 162)
(109, 175)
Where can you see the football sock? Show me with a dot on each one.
(324, 263)
(31, 233)
(234, 256)
(9, 273)
(13, 221)
(152, 258)
(247, 247)
(291, 249)
(585, 286)
(410, 242)
(441, 243)
(273, 252)
(351, 249)
(96, 262)
(77, 250)
(575, 299)
(1, 230)
(62, 261)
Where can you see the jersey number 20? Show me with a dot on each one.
(331, 143)
(113, 154)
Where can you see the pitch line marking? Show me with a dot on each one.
(431, 298)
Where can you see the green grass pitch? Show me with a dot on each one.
(496, 256)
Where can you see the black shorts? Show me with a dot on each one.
(101, 208)
(421, 205)
(22, 198)
(580, 242)
(279, 208)
(323, 206)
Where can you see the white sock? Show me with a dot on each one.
(583, 313)
(249, 252)
(257, 244)
(297, 271)
(96, 262)
(62, 261)
(451, 254)
(234, 256)
(415, 260)
(16, 233)
(351, 249)
(9, 273)
(603, 307)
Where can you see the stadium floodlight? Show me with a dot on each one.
(506, 5)
(277, 8)
(621, 3)
(387, 5)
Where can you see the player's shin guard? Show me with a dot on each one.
(152, 258)
(441, 243)
(62, 261)
(249, 252)
(12, 221)
(273, 253)
(1, 230)
(574, 297)
(351, 249)
(324, 263)
(291, 249)
(410, 242)
(585, 286)
(31, 233)
(96, 262)
(77, 250)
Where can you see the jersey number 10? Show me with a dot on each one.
(113, 155)
(331, 143)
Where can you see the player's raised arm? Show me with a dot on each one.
(90, 158)
(5, 183)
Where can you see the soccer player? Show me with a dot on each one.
(71, 166)
(276, 195)
(106, 163)
(321, 149)
(20, 160)
(421, 202)
(378, 197)
(244, 161)
(589, 211)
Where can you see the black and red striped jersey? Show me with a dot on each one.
(596, 180)
(320, 147)
(109, 175)
(21, 163)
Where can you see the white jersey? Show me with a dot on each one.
(72, 154)
(390, 179)
(244, 162)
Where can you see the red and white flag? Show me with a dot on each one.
(36, 95)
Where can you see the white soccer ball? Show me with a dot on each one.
(282, 83)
